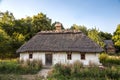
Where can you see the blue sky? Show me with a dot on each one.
(102, 14)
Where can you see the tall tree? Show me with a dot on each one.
(116, 37)
(17, 40)
(94, 35)
(4, 43)
(79, 27)
(105, 35)
(7, 22)
(24, 27)
(41, 22)
(13, 32)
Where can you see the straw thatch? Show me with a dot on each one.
(64, 41)
(109, 46)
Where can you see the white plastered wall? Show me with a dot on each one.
(61, 57)
(36, 56)
(89, 57)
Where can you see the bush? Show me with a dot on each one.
(76, 66)
(29, 67)
(76, 71)
(107, 60)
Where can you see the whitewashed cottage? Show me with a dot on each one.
(60, 46)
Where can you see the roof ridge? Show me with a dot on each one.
(60, 31)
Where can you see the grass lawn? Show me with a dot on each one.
(19, 77)
(17, 67)
(14, 70)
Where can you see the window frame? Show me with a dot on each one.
(30, 56)
(82, 55)
(69, 56)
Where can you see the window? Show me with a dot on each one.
(69, 56)
(83, 56)
(30, 56)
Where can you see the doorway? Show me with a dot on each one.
(48, 59)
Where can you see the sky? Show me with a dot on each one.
(102, 14)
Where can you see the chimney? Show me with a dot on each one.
(58, 26)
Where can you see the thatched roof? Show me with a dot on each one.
(62, 41)
(109, 44)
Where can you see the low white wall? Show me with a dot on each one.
(39, 56)
(62, 57)
(89, 57)
(59, 58)
(24, 56)
(36, 56)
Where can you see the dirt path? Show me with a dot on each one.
(44, 72)
(41, 75)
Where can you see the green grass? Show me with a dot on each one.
(16, 67)
(77, 72)
(20, 77)
(11, 77)
(109, 60)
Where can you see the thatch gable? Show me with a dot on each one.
(62, 41)
(109, 46)
(108, 43)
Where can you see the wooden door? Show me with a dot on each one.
(48, 59)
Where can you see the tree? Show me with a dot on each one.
(75, 27)
(4, 43)
(81, 28)
(7, 22)
(14, 32)
(41, 22)
(94, 35)
(24, 26)
(16, 41)
(105, 35)
(116, 37)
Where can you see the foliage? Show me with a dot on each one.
(116, 37)
(41, 22)
(7, 22)
(109, 60)
(20, 77)
(16, 41)
(14, 67)
(61, 72)
(14, 32)
(81, 28)
(4, 43)
(94, 35)
(11, 77)
(105, 35)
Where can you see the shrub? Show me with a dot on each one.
(15, 67)
(62, 69)
(76, 71)
(76, 66)
(103, 57)
(107, 60)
